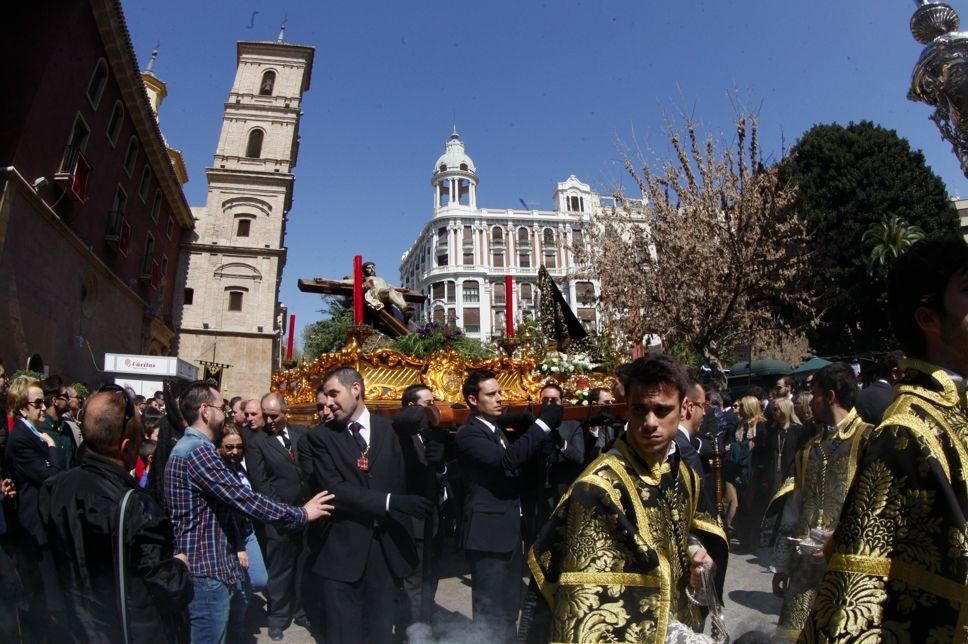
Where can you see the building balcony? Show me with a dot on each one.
(118, 235)
(73, 173)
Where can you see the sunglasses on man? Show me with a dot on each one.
(128, 404)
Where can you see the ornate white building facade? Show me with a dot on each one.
(463, 253)
(232, 268)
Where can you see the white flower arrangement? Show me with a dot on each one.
(564, 365)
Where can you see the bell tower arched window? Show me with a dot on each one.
(253, 149)
(267, 84)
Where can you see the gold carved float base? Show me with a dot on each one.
(386, 374)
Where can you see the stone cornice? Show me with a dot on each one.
(109, 17)
(246, 251)
(269, 335)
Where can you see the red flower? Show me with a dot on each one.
(583, 383)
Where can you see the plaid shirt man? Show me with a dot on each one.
(202, 494)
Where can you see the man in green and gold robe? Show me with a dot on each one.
(629, 536)
(898, 565)
(813, 498)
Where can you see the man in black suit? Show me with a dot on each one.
(368, 547)
(549, 475)
(423, 453)
(491, 530)
(274, 471)
(690, 445)
(874, 399)
(600, 430)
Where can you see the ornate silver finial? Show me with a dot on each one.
(940, 77)
(453, 132)
(933, 19)
(154, 55)
(282, 30)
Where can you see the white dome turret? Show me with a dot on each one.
(455, 177)
(454, 157)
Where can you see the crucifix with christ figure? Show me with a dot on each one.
(375, 301)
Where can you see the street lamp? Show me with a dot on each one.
(940, 76)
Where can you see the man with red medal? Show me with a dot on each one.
(368, 547)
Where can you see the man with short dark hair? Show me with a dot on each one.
(273, 470)
(423, 451)
(824, 472)
(615, 560)
(601, 396)
(238, 413)
(202, 496)
(897, 567)
(874, 399)
(368, 547)
(80, 510)
(491, 530)
(784, 388)
(688, 442)
(600, 430)
(55, 396)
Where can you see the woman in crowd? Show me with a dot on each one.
(745, 467)
(31, 458)
(786, 439)
(232, 450)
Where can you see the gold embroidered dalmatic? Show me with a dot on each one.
(813, 499)
(612, 562)
(899, 568)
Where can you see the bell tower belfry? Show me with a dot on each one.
(230, 310)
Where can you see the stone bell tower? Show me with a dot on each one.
(230, 310)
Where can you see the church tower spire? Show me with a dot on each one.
(231, 314)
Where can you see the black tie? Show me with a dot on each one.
(355, 428)
(287, 443)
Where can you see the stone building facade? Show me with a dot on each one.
(232, 266)
(463, 253)
(92, 211)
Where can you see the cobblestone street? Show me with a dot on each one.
(750, 604)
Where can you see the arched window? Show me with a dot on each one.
(254, 148)
(524, 238)
(114, 125)
(268, 82)
(443, 167)
(95, 86)
(548, 237)
(497, 236)
(463, 166)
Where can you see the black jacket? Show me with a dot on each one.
(873, 400)
(492, 474)
(688, 453)
(271, 470)
(81, 509)
(30, 462)
(360, 513)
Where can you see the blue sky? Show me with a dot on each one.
(538, 90)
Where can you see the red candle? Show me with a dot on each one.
(358, 289)
(292, 328)
(509, 304)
